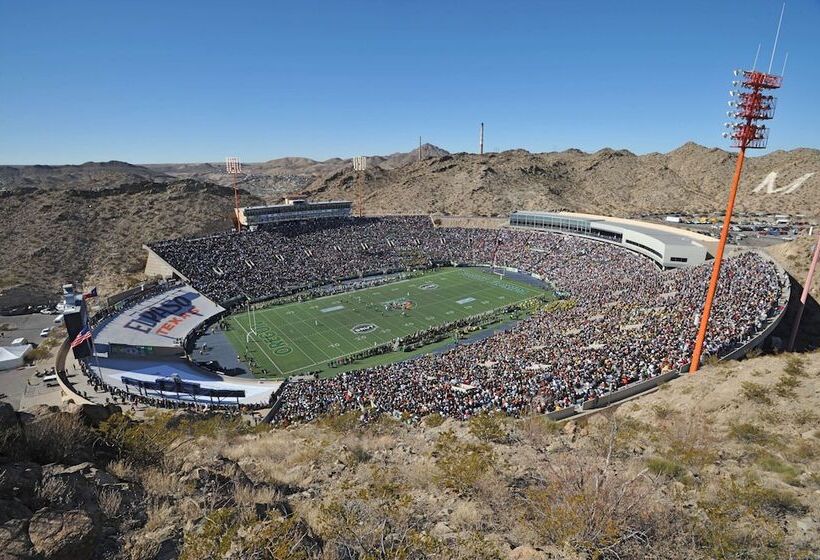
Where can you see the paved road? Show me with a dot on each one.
(28, 326)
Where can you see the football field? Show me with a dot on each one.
(302, 337)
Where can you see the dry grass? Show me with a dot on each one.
(755, 392)
(468, 516)
(143, 547)
(160, 483)
(538, 430)
(160, 516)
(55, 490)
(56, 437)
(123, 469)
(110, 502)
(248, 496)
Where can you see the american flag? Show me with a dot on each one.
(82, 336)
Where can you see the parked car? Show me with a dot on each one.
(45, 332)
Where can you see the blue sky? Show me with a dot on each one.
(195, 81)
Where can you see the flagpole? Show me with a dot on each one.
(96, 358)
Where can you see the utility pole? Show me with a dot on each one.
(481, 140)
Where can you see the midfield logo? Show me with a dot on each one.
(364, 328)
(769, 184)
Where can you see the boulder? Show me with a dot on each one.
(12, 509)
(69, 488)
(8, 417)
(62, 535)
(527, 553)
(14, 541)
(92, 414)
(232, 470)
(442, 531)
(41, 410)
(20, 480)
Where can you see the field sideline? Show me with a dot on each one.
(303, 337)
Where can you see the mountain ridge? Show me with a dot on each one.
(89, 222)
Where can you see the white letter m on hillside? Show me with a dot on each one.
(769, 184)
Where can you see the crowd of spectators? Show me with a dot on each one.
(631, 321)
(280, 259)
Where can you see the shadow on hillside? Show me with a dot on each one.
(808, 338)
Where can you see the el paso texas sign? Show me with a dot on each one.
(164, 317)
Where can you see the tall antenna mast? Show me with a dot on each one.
(419, 148)
(757, 54)
(234, 168)
(776, 37)
(481, 140)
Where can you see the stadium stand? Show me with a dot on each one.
(630, 321)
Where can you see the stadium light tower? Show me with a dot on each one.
(234, 168)
(751, 106)
(359, 166)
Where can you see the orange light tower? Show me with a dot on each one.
(234, 168)
(751, 106)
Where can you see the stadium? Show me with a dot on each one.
(309, 310)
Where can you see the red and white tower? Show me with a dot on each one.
(752, 105)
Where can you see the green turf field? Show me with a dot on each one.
(303, 337)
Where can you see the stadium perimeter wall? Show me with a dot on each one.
(67, 389)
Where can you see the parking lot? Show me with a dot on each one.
(21, 387)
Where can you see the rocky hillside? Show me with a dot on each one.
(721, 465)
(88, 222)
(614, 182)
(274, 178)
(96, 235)
(91, 175)
(795, 257)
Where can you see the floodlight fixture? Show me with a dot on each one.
(233, 167)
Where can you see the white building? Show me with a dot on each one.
(666, 247)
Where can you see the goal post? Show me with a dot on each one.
(251, 322)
